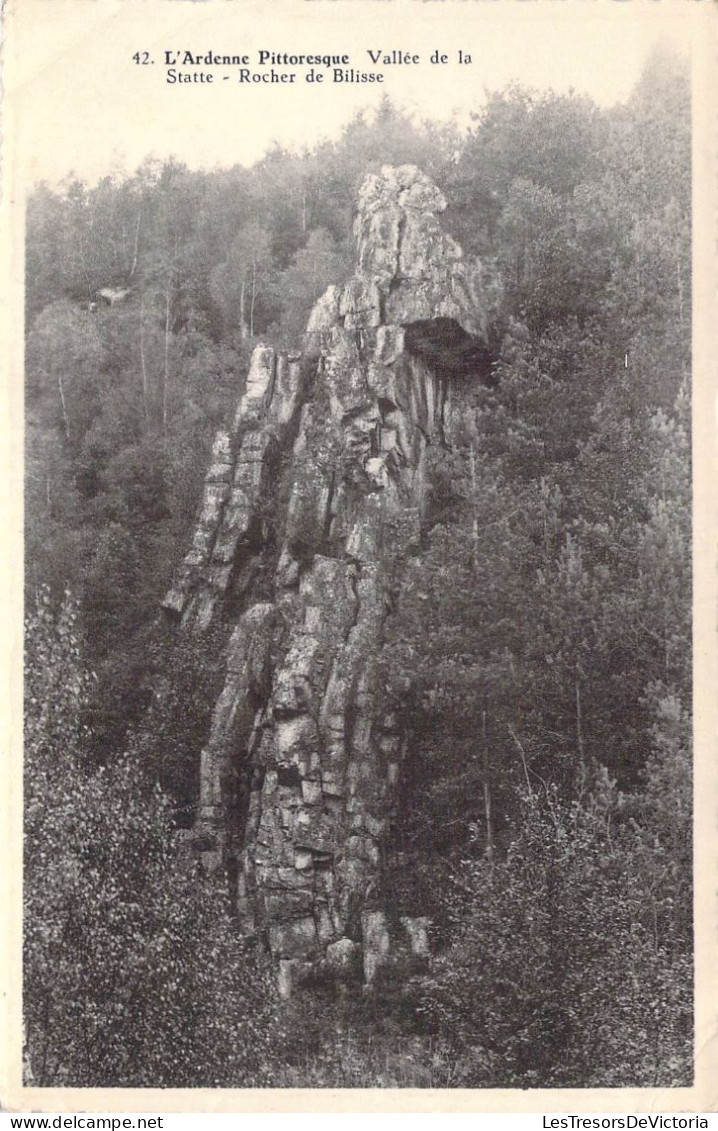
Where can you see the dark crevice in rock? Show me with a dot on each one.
(401, 229)
(447, 348)
(288, 776)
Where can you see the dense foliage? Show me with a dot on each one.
(134, 975)
(538, 645)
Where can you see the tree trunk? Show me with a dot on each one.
(166, 368)
(520, 749)
(487, 787)
(579, 726)
(84, 267)
(143, 366)
(242, 311)
(474, 516)
(254, 295)
(64, 408)
(137, 237)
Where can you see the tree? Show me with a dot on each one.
(316, 266)
(134, 975)
(237, 283)
(553, 142)
(572, 964)
(64, 359)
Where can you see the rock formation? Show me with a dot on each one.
(319, 484)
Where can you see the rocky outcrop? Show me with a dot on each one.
(319, 484)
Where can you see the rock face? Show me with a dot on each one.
(319, 484)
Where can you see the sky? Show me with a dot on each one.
(78, 103)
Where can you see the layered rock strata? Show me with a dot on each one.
(320, 486)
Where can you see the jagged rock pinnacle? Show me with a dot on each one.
(300, 772)
(408, 268)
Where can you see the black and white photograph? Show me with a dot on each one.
(355, 393)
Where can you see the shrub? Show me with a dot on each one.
(573, 966)
(133, 973)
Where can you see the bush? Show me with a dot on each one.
(133, 975)
(573, 967)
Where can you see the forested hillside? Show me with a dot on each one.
(538, 640)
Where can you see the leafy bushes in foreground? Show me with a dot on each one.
(573, 964)
(133, 972)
